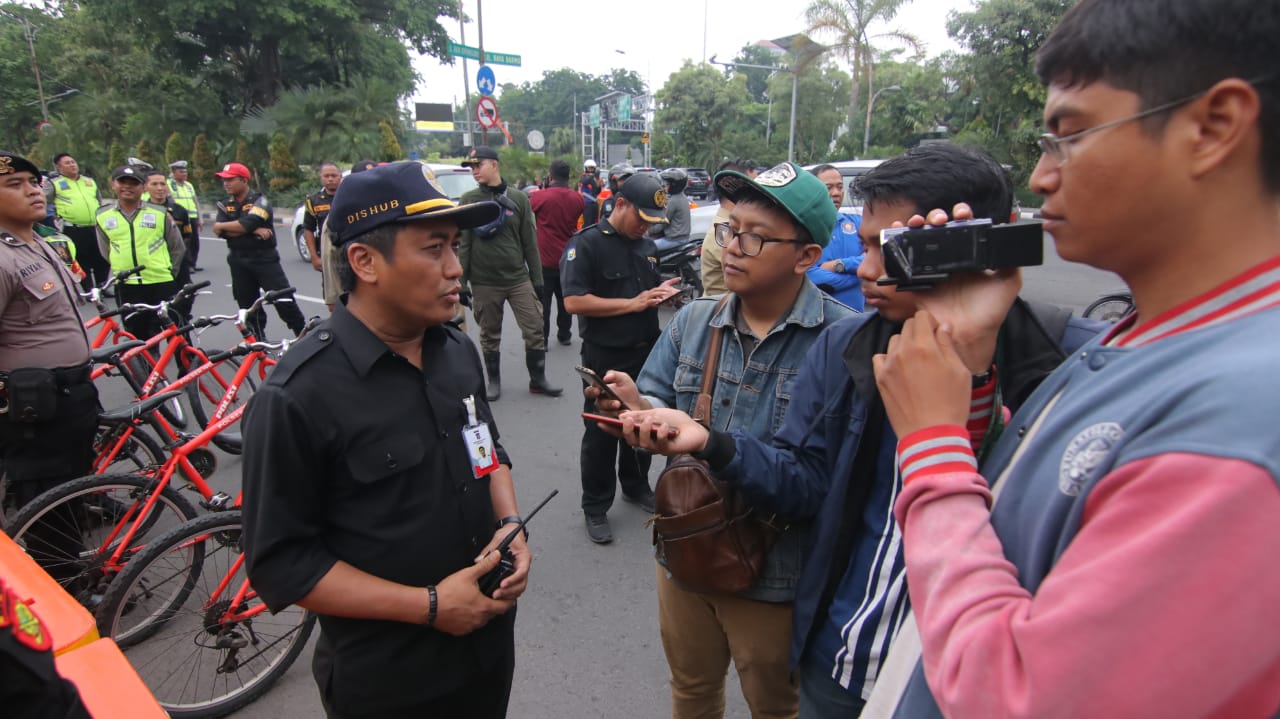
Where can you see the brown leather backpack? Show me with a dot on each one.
(705, 534)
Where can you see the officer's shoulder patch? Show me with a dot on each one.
(259, 212)
(24, 624)
(11, 240)
(571, 255)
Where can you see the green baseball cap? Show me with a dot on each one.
(792, 189)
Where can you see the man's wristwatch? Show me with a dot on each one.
(513, 519)
(840, 266)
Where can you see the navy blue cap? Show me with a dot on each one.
(478, 153)
(12, 162)
(648, 194)
(399, 192)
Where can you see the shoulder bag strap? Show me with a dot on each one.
(702, 406)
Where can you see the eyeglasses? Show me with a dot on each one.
(750, 243)
(1055, 148)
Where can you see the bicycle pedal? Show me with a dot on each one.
(219, 502)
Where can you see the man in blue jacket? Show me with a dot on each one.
(851, 597)
(837, 271)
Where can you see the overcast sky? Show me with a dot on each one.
(586, 36)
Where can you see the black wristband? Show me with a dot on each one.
(513, 519)
(434, 606)
(719, 451)
(982, 380)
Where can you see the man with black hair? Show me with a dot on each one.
(157, 193)
(559, 212)
(367, 495)
(712, 267)
(317, 210)
(76, 199)
(1127, 567)
(501, 265)
(837, 272)
(832, 460)
(329, 284)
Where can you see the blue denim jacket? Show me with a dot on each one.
(751, 394)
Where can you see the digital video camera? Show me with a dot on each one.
(917, 259)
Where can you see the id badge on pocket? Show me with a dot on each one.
(479, 442)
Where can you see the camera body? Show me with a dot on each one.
(917, 259)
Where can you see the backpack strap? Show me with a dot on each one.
(702, 406)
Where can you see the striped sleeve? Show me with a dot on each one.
(981, 407)
(936, 450)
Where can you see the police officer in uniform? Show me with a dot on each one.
(184, 193)
(134, 233)
(317, 209)
(246, 221)
(158, 189)
(76, 199)
(609, 275)
(328, 268)
(48, 406)
(373, 477)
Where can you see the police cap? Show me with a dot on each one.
(398, 192)
(12, 162)
(128, 172)
(648, 194)
(478, 153)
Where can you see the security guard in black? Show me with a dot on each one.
(246, 221)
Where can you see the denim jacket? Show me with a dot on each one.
(751, 394)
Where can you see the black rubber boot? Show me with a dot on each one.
(536, 361)
(493, 367)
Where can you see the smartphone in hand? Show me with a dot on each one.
(672, 432)
(594, 379)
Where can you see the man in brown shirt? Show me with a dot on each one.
(48, 406)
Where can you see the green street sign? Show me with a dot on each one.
(458, 50)
(624, 108)
(502, 58)
(473, 53)
(594, 116)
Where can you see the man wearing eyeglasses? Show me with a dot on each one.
(1127, 567)
(776, 232)
(832, 460)
(609, 275)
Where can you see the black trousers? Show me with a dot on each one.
(96, 267)
(600, 451)
(193, 243)
(564, 320)
(255, 270)
(39, 456)
(144, 325)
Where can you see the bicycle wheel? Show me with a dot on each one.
(205, 393)
(71, 530)
(195, 661)
(141, 453)
(1110, 308)
(140, 368)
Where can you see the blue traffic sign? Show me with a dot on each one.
(485, 80)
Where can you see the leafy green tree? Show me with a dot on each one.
(851, 23)
(701, 107)
(174, 149)
(757, 78)
(823, 88)
(142, 151)
(390, 150)
(115, 154)
(325, 123)
(284, 171)
(242, 153)
(202, 164)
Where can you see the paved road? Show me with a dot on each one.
(587, 631)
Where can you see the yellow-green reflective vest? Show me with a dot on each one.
(76, 200)
(184, 193)
(138, 243)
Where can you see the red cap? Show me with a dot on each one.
(233, 169)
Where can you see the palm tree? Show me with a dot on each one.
(850, 21)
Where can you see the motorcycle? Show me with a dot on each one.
(683, 259)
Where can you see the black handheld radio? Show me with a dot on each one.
(507, 564)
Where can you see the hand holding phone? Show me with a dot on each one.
(605, 390)
(672, 432)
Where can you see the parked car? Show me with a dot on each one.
(699, 187)
(453, 179)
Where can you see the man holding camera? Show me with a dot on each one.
(832, 461)
(366, 497)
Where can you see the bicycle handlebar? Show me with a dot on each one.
(273, 295)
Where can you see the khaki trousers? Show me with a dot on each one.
(486, 305)
(702, 632)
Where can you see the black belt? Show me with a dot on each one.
(65, 376)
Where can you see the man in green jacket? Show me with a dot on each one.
(500, 264)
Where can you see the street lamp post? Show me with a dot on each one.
(792, 143)
(866, 134)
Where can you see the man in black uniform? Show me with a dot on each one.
(372, 475)
(246, 221)
(50, 408)
(609, 275)
(158, 194)
(318, 204)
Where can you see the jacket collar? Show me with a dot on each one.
(362, 346)
(806, 311)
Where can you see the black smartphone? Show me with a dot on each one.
(594, 379)
(672, 432)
